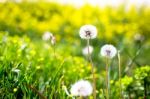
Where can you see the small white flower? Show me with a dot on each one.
(47, 36)
(81, 88)
(108, 51)
(23, 46)
(16, 70)
(88, 32)
(87, 50)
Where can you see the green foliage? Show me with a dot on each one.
(38, 68)
(143, 73)
(133, 86)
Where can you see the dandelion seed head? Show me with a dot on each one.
(46, 36)
(81, 88)
(88, 32)
(49, 36)
(87, 50)
(108, 51)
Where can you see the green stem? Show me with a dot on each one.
(54, 49)
(92, 70)
(120, 84)
(107, 79)
(36, 91)
(145, 89)
(81, 97)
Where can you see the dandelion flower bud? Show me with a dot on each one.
(138, 37)
(108, 51)
(87, 50)
(53, 40)
(81, 88)
(46, 36)
(49, 36)
(88, 32)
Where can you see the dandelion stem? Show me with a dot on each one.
(54, 49)
(107, 79)
(92, 70)
(120, 85)
(145, 90)
(81, 97)
(36, 91)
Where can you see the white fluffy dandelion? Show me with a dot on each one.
(47, 36)
(108, 51)
(88, 32)
(81, 88)
(87, 50)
